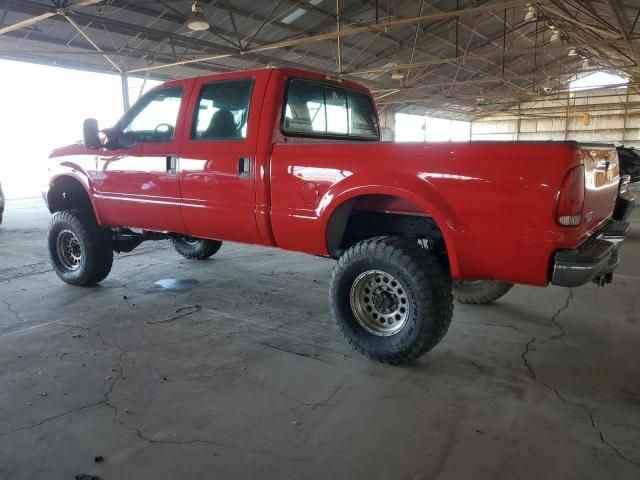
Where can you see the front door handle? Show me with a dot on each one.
(172, 165)
(244, 167)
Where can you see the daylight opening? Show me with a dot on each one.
(418, 128)
(47, 106)
(599, 79)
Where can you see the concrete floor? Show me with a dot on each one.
(236, 371)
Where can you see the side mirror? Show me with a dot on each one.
(116, 139)
(91, 134)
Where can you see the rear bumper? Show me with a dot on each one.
(593, 261)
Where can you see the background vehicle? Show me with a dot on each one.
(292, 159)
(629, 163)
(1, 204)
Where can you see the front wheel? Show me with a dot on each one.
(80, 250)
(196, 248)
(391, 299)
(480, 292)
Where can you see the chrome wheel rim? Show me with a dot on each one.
(191, 241)
(380, 303)
(69, 250)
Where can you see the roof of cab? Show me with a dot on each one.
(286, 72)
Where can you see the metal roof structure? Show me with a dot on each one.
(455, 58)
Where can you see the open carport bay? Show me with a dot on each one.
(233, 368)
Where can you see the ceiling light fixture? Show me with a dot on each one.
(531, 15)
(197, 21)
(555, 37)
(397, 75)
(573, 52)
(585, 64)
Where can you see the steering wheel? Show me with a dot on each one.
(164, 130)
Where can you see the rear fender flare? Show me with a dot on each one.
(429, 201)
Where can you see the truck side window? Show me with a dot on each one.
(363, 121)
(154, 118)
(223, 110)
(317, 109)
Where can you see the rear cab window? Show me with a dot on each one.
(325, 110)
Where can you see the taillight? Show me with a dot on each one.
(570, 201)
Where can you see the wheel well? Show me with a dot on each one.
(375, 215)
(67, 193)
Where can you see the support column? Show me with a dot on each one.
(388, 125)
(124, 78)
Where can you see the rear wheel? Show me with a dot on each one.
(80, 250)
(196, 248)
(480, 292)
(391, 299)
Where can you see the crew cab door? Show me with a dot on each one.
(138, 186)
(217, 159)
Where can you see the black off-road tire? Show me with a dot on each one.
(93, 246)
(480, 292)
(195, 248)
(425, 287)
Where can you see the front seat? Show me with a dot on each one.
(222, 125)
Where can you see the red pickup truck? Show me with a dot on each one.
(292, 159)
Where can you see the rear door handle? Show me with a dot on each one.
(244, 167)
(172, 165)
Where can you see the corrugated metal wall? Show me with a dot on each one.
(609, 116)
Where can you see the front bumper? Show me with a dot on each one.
(594, 260)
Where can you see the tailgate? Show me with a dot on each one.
(601, 178)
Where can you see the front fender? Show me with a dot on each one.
(74, 168)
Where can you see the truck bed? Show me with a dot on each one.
(493, 201)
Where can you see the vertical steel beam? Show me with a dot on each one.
(504, 41)
(339, 49)
(124, 79)
(415, 42)
(635, 22)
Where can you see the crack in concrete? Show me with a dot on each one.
(554, 319)
(50, 419)
(495, 325)
(605, 441)
(22, 275)
(39, 288)
(180, 313)
(108, 402)
(12, 309)
(106, 397)
(145, 438)
(562, 332)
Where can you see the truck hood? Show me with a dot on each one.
(76, 148)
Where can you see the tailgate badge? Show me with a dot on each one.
(588, 217)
